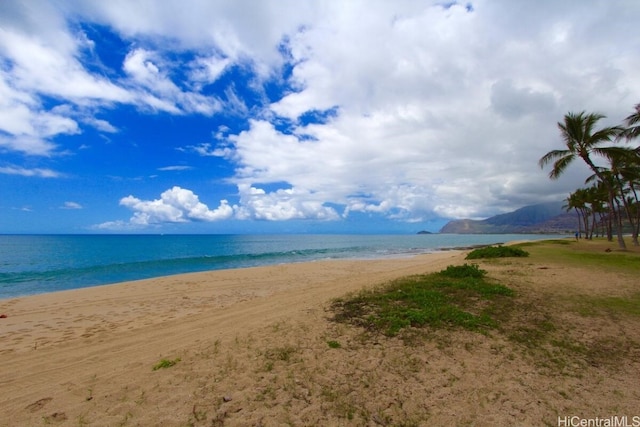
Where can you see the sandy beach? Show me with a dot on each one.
(249, 348)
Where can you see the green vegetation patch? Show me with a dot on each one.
(614, 305)
(165, 363)
(459, 296)
(497, 252)
(597, 253)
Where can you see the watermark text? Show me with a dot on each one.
(612, 421)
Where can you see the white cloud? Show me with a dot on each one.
(175, 168)
(26, 124)
(282, 204)
(71, 205)
(239, 30)
(206, 70)
(208, 150)
(146, 71)
(101, 125)
(40, 65)
(28, 145)
(441, 111)
(42, 55)
(36, 172)
(118, 225)
(174, 205)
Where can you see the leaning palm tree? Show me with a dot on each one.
(582, 141)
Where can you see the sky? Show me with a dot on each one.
(247, 116)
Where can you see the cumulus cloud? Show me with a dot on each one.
(174, 205)
(433, 119)
(178, 205)
(282, 204)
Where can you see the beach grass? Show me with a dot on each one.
(596, 253)
(463, 297)
(543, 323)
(458, 296)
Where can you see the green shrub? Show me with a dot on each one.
(466, 270)
(497, 252)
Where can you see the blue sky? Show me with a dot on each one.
(199, 116)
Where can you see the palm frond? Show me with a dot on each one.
(633, 118)
(613, 154)
(552, 156)
(606, 135)
(561, 165)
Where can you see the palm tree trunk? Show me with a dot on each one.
(585, 216)
(617, 217)
(594, 222)
(635, 228)
(612, 197)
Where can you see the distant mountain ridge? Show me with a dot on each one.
(542, 218)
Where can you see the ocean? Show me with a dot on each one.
(36, 264)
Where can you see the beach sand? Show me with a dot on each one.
(250, 348)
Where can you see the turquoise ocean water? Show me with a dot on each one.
(34, 264)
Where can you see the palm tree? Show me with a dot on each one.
(625, 166)
(578, 202)
(597, 198)
(582, 140)
(633, 124)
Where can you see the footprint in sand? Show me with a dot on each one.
(56, 416)
(35, 406)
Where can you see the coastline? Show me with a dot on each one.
(130, 305)
(250, 347)
(42, 264)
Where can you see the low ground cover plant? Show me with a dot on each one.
(459, 296)
(165, 363)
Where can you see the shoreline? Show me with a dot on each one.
(180, 295)
(388, 257)
(53, 271)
